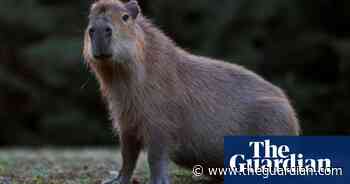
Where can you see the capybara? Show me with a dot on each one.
(176, 105)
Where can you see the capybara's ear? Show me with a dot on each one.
(133, 7)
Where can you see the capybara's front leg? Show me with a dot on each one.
(158, 160)
(130, 148)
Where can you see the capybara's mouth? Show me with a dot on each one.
(103, 57)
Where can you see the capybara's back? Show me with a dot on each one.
(220, 99)
(177, 105)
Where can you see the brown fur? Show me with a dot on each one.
(172, 101)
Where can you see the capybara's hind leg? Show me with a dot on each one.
(272, 116)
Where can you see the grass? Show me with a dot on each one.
(86, 166)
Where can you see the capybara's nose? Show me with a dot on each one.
(101, 36)
(102, 31)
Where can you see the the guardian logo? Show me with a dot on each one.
(267, 155)
(285, 159)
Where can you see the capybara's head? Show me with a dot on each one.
(111, 34)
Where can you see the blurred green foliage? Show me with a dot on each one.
(49, 97)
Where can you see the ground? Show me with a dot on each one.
(79, 166)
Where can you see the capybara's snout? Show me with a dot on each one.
(100, 33)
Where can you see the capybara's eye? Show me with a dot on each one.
(91, 32)
(125, 17)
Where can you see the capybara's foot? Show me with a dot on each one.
(114, 178)
(111, 181)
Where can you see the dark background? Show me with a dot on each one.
(49, 97)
